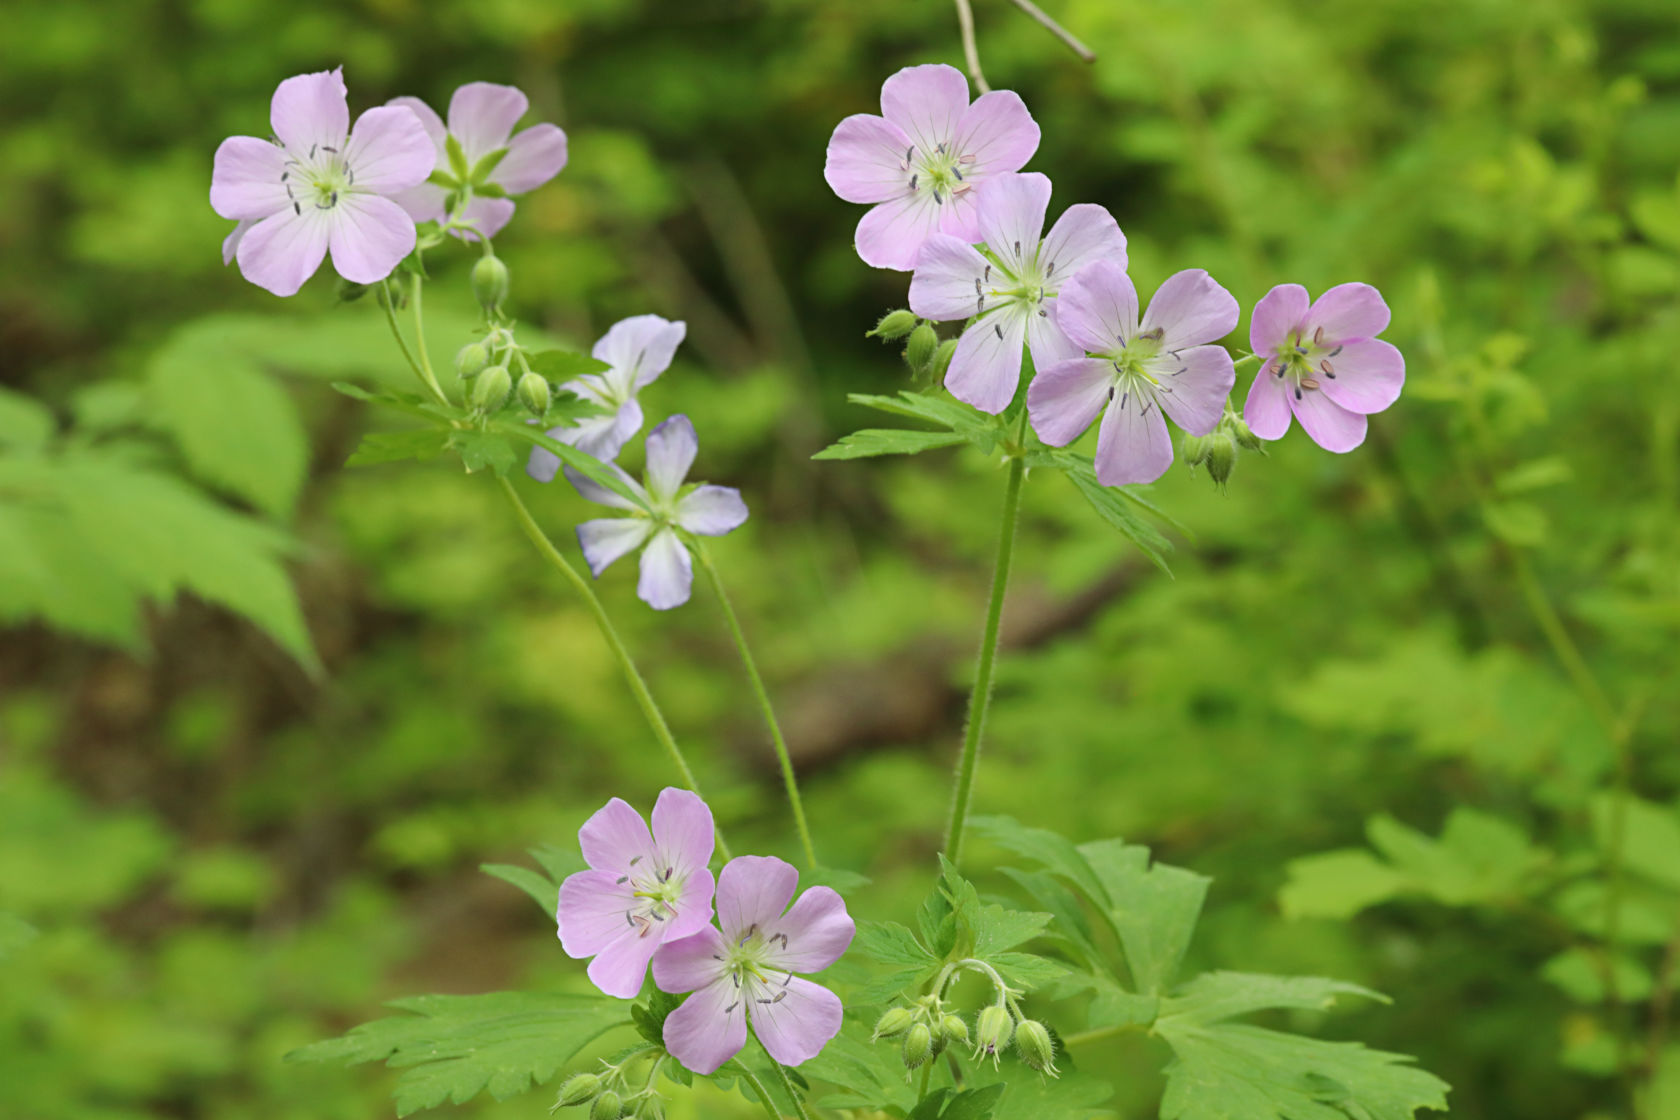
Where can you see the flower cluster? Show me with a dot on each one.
(952, 207)
(647, 898)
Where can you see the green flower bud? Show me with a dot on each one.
(954, 1029)
(919, 350)
(491, 389)
(607, 1106)
(1195, 450)
(471, 359)
(534, 393)
(1246, 439)
(918, 1045)
(348, 291)
(942, 359)
(580, 1088)
(992, 1032)
(1222, 457)
(650, 1108)
(490, 282)
(895, 1022)
(1036, 1048)
(893, 325)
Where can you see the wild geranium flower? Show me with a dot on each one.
(745, 972)
(1136, 371)
(640, 890)
(481, 119)
(320, 185)
(1323, 364)
(638, 349)
(1009, 286)
(707, 511)
(923, 160)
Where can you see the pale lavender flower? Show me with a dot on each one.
(1323, 364)
(481, 118)
(745, 972)
(320, 185)
(709, 511)
(638, 349)
(1136, 371)
(923, 160)
(1009, 286)
(640, 890)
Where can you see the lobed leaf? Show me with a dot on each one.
(871, 442)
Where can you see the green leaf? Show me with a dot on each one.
(25, 423)
(479, 450)
(563, 365)
(1113, 508)
(451, 1048)
(1520, 524)
(591, 467)
(1030, 1096)
(391, 447)
(951, 1104)
(984, 431)
(543, 891)
(1054, 852)
(456, 156)
(870, 442)
(650, 1018)
(1479, 858)
(1155, 913)
(1650, 836)
(1216, 996)
(1580, 974)
(869, 1075)
(1338, 884)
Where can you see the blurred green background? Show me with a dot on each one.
(226, 858)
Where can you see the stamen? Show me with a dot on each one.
(1308, 383)
(1329, 370)
(1111, 388)
(312, 151)
(998, 327)
(1300, 349)
(960, 188)
(977, 290)
(296, 208)
(283, 175)
(1017, 248)
(779, 997)
(666, 878)
(745, 937)
(1336, 351)
(980, 304)
(940, 149)
(730, 1010)
(349, 176)
(958, 174)
(628, 920)
(1146, 409)
(1051, 271)
(634, 860)
(1179, 370)
(1279, 370)
(966, 159)
(908, 152)
(913, 179)
(324, 148)
(622, 879)
(1318, 337)
(938, 199)
(988, 273)
(1297, 392)
(1043, 314)
(1124, 397)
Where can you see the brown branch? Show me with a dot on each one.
(1086, 54)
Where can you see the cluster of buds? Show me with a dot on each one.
(927, 1028)
(927, 357)
(924, 1030)
(608, 1097)
(484, 364)
(1219, 448)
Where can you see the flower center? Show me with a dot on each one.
(1306, 362)
(654, 894)
(747, 960)
(940, 171)
(319, 178)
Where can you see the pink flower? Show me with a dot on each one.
(320, 185)
(641, 891)
(1323, 363)
(481, 118)
(746, 972)
(1009, 286)
(923, 160)
(1136, 372)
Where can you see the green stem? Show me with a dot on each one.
(1097, 1034)
(420, 342)
(787, 1085)
(402, 344)
(788, 777)
(981, 698)
(638, 687)
(751, 1078)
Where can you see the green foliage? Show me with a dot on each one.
(868, 442)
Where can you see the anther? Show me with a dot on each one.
(1043, 314)
(1329, 370)
(1017, 248)
(977, 290)
(980, 304)
(666, 878)
(622, 879)
(634, 860)
(998, 327)
(958, 174)
(296, 208)
(938, 199)
(324, 148)
(1297, 392)
(913, 179)
(1124, 397)
(731, 1008)
(988, 272)
(283, 175)
(1318, 337)
(1336, 351)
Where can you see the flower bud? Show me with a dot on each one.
(490, 281)
(471, 359)
(348, 291)
(534, 393)
(1036, 1048)
(491, 389)
(894, 324)
(954, 1029)
(919, 350)
(608, 1106)
(1222, 457)
(918, 1045)
(992, 1031)
(1246, 439)
(580, 1088)
(1195, 450)
(895, 1022)
(942, 359)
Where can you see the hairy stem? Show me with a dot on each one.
(971, 51)
(1086, 54)
(758, 1088)
(402, 344)
(420, 342)
(638, 687)
(788, 778)
(787, 1083)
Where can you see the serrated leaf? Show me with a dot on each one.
(978, 428)
(952, 1104)
(392, 447)
(1216, 996)
(1117, 512)
(650, 1018)
(1052, 851)
(870, 442)
(563, 365)
(451, 1048)
(1155, 913)
(480, 450)
(891, 943)
(1338, 884)
(869, 1075)
(542, 890)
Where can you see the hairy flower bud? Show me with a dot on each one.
(608, 1106)
(1035, 1046)
(490, 282)
(954, 1029)
(1195, 450)
(580, 1088)
(992, 1031)
(920, 349)
(534, 393)
(471, 359)
(1246, 439)
(895, 1022)
(918, 1045)
(894, 325)
(492, 388)
(1222, 457)
(942, 360)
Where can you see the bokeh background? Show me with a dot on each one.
(226, 857)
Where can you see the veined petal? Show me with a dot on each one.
(687, 964)
(1098, 308)
(389, 150)
(621, 968)
(709, 1028)
(671, 448)
(1012, 210)
(753, 891)
(605, 436)
(999, 132)
(926, 102)
(818, 931)
(311, 111)
(482, 116)
(693, 907)
(1084, 233)
(429, 120)
(606, 539)
(986, 367)
(711, 511)
(282, 251)
(959, 215)
(245, 180)
(1132, 444)
(1064, 398)
(1190, 308)
(1330, 425)
(591, 912)
(488, 216)
(892, 234)
(370, 236)
(1046, 340)
(230, 243)
(1195, 384)
(424, 202)
(1347, 311)
(1278, 312)
(615, 838)
(1266, 412)
(682, 830)
(1368, 376)
(639, 349)
(667, 572)
(866, 157)
(593, 491)
(949, 280)
(534, 156)
(797, 1021)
